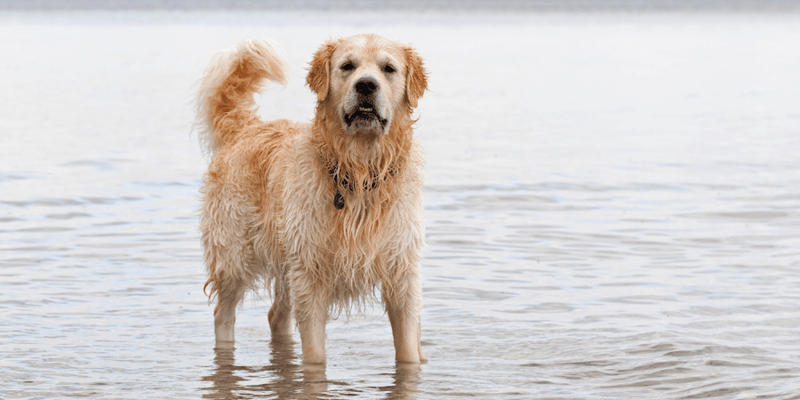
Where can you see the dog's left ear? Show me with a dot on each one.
(416, 77)
(318, 79)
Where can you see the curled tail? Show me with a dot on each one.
(225, 103)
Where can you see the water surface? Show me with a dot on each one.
(613, 207)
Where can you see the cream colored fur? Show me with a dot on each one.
(268, 214)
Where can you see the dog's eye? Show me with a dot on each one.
(389, 69)
(348, 66)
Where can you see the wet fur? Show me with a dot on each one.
(268, 214)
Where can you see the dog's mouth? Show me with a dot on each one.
(364, 113)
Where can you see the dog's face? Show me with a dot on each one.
(366, 81)
(366, 85)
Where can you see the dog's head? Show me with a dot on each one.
(367, 81)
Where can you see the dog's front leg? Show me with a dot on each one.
(403, 301)
(311, 312)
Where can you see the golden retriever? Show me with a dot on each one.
(324, 212)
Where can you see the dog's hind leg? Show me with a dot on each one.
(229, 279)
(228, 298)
(229, 257)
(280, 314)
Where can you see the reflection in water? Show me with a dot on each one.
(314, 382)
(224, 379)
(405, 382)
(289, 378)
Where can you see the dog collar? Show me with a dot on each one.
(344, 181)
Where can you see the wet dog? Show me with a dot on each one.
(326, 212)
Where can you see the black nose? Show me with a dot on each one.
(366, 86)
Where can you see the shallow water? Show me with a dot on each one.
(613, 206)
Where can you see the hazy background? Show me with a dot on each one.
(511, 5)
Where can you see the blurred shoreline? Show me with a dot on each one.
(421, 5)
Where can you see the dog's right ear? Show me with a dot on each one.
(319, 70)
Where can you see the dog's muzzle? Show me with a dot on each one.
(365, 111)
